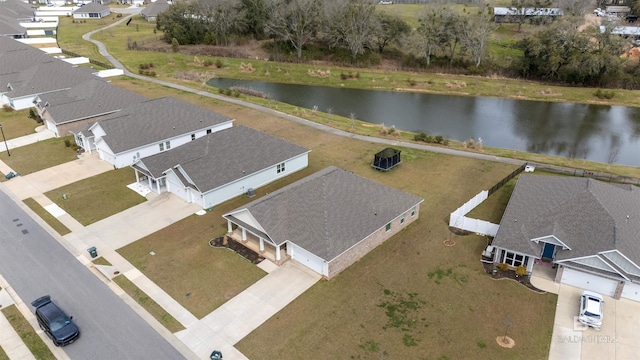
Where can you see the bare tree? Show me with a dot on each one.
(224, 18)
(351, 23)
(475, 34)
(295, 21)
(522, 9)
(390, 29)
(426, 37)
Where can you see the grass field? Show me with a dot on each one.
(16, 123)
(40, 155)
(97, 197)
(349, 316)
(47, 217)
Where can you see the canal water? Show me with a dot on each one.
(607, 134)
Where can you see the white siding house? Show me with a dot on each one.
(587, 229)
(151, 127)
(222, 165)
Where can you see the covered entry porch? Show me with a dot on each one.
(270, 251)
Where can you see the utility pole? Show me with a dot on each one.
(5, 141)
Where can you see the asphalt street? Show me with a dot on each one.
(35, 264)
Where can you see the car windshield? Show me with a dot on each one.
(593, 308)
(58, 323)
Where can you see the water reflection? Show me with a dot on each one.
(592, 132)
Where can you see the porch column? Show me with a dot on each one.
(261, 244)
(497, 255)
(277, 252)
(158, 185)
(530, 263)
(229, 226)
(244, 234)
(137, 176)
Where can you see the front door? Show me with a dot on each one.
(547, 251)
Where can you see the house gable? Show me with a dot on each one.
(551, 239)
(622, 262)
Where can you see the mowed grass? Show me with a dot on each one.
(40, 155)
(151, 306)
(70, 33)
(35, 344)
(16, 123)
(97, 197)
(3, 355)
(195, 274)
(59, 227)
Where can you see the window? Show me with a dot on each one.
(388, 227)
(402, 219)
(193, 137)
(167, 145)
(208, 131)
(161, 146)
(413, 211)
(513, 259)
(280, 168)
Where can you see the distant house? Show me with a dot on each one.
(148, 128)
(27, 72)
(326, 221)
(92, 10)
(82, 104)
(150, 13)
(532, 15)
(222, 165)
(587, 229)
(12, 13)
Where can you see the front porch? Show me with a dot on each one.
(158, 186)
(267, 250)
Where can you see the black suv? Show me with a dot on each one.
(55, 323)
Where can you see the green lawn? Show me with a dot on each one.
(16, 123)
(47, 217)
(97, 197)
(3, 355)
(151, 306)
(35, 344)
(40, 155)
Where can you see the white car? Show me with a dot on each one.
(591, 305)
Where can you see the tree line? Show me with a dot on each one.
(444, 37)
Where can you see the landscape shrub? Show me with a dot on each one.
(604, 94)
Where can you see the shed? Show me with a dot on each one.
(386, 159)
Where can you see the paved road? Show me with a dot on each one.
(35, 264)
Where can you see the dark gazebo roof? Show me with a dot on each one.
(386, 159)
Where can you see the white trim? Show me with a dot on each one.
(625, 257)
(543, 238)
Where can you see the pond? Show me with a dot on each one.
(607, 134)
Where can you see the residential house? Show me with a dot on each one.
(326, 221)
(531, 15)
(148, 128)
(150, 13)
(222, 165)
(587, 229)
(12, 12)
(92, 10)
(82, 104)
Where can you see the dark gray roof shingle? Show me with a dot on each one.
(329, 212)
(154, 9)
(50, 75)
(88, 99)
(156, 120)
(588, 215)
(222, 157)
(91, 7)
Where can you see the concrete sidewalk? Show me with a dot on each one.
(41, 133)
(239, 316)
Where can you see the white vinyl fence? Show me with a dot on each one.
(458, 220)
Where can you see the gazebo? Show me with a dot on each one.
(386, 159)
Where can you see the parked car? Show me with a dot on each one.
(591, 305)
(55, 323)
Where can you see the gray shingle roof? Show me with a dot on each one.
(16, 9)
(91, 7)
(329, 212)
(88, 99)
(156, 120)
(589, 216)
(15, 57)
(222, 157)
(11, 26)
(154, 9)
(50, 75)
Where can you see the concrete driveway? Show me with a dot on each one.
(617, 339)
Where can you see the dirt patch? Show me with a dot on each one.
(505, 342)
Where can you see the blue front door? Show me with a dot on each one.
(547, 251)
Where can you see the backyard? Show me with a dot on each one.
(411, 297)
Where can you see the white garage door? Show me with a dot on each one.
(307, 259)
(177, 189)
(631, 291)
(587, 281)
